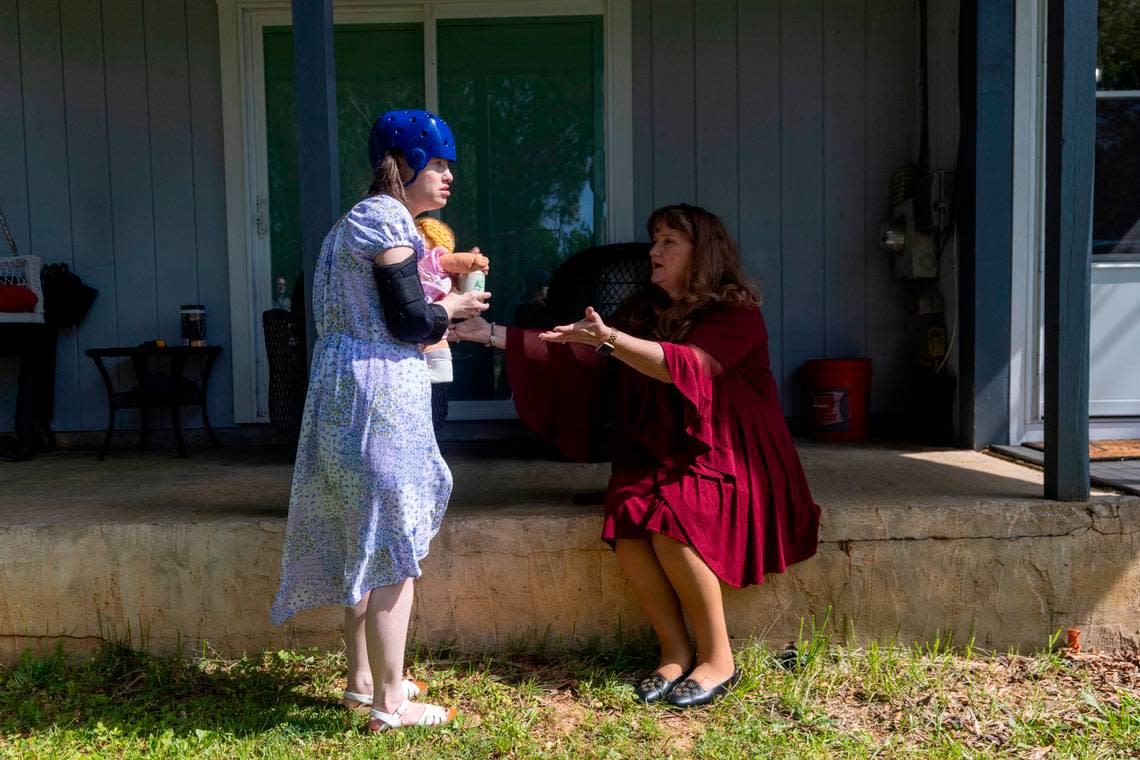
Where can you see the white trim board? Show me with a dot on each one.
(239, 25)
(1028, 224)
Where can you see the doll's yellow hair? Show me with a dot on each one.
(436, 234)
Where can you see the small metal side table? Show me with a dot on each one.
(157, 391)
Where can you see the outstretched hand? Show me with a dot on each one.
(475, 329)
(591, 330)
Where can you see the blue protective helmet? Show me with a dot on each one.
(419, 135)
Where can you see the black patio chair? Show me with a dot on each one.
(286, 350)
(289, 374)
(439, 405)
(602, 277)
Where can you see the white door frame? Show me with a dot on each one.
(240, 25)
(1027, 335)
(1026, 331)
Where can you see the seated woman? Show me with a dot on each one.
(706, 485)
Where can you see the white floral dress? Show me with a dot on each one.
(369, 486)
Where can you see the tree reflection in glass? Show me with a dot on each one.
(1118, 44)
(524, 97)
(378, 67)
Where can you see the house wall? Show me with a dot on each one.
(784, 117)
(787, 119)
(111, 161)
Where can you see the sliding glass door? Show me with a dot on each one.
(379, 67)
(526, 98)
(1114, 389)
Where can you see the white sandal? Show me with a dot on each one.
(433, 715)
(412, 689)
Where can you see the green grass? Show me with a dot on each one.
(828, 700)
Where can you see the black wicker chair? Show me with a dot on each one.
(285, 348)
(439, 405)
(602, 277)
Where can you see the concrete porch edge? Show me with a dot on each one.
(914, 543)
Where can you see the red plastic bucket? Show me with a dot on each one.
(839, 394)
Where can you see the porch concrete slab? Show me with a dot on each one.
(252, 482)
(914, 542)
(142, 487)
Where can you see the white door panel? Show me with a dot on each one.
(1114, 389)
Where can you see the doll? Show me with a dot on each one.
(442, 270)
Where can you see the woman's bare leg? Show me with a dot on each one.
(386, 630)
(698, 588)
(653, 590)
(356, 644)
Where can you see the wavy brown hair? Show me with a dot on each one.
(390, 175)
(715, 277)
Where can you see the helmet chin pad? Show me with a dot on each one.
(419, 135)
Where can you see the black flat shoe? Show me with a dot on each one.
(689, 693)
(655, 687)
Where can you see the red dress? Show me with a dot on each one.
(706, 460)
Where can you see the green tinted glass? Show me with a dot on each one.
(1118, 44)
(378, 68)
(1116, 196)
(1116, 193)
(525, 100)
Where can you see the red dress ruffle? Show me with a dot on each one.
(706, 460)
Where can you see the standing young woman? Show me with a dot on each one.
(706, 485)
(370, 486)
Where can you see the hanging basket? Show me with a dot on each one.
(23, 271)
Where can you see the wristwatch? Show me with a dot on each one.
(607, 346)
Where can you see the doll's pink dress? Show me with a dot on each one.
(436, 282)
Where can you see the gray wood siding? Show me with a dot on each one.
(787, 118)
(111, 161)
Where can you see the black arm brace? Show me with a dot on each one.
(409, 316)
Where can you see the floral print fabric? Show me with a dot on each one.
(369, 485)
